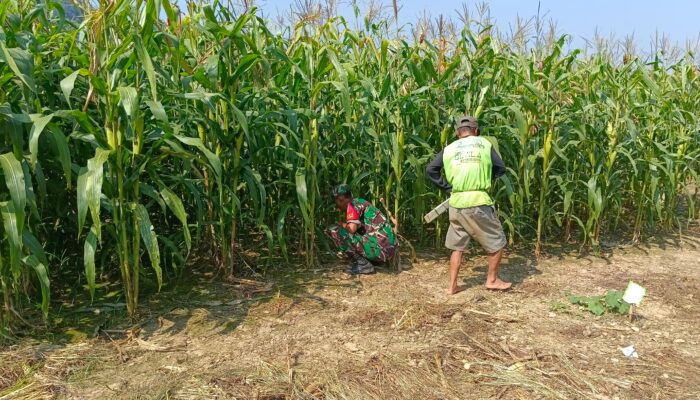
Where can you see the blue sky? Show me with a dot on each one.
(677, 18)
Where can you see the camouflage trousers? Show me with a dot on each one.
(377, 246)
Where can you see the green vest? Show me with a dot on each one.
(468, 169)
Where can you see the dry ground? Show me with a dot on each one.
(318, 335)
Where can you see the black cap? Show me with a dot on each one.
(467, 121)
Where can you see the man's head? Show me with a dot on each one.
(343, 196)
(467, 126)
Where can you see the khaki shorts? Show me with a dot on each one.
(480, 223)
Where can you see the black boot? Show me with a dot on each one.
(360, 265)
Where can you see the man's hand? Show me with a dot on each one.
(349, 226)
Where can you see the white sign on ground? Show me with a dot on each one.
(634, 294)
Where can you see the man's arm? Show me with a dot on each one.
(498, 168)
(434, 172)
(352, 219)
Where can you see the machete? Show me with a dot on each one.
(435, 212)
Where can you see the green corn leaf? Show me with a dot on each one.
(169, 11)
(147, 65)
(63, 153)
(157, 110)
(241, 118)
(281, 240)
(35, 248)
(178, 209)
(67, 85)
(40, 182)
(644, 73)
(21, 62)
(302, 193)
(268, 234)
(494, 142)
(29, 190)
(39, 123)
(82, 198)
(211, 67)
(148, 18)
(151, 192)
(176, 258)
(12, 225)
(93, 187)
(129, 99)
(480, 102)
(89, 250)
(39, 268)
(240, 23)
(567, 200)
(150, 240)
(257, 191)
(214, 161)
(14, 179)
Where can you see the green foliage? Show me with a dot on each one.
(611, 302)
(558, 306)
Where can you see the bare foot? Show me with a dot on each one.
(498, 285)
(456, 290)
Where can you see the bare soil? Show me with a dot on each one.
(320, 335)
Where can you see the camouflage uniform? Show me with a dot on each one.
(374, 239)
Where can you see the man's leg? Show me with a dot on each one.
(492, 279)
(379, 247)
(488, 231)
(455, 263)
(351, 247)
(457, 240)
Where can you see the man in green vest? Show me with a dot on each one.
(470, 164)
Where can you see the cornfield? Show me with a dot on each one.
(144, 134)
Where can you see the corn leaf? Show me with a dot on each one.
(29, 190)
(89, 250)
(178, 209)
(63, 153)
(150, 240)
(129, 99)
(302, 193)
(214, 161)
(93, 188)
(147, 64)
(42, 275)
(82, 198)
(67, 85)
(35, 248)
(12, 224)
(39, 123)
(14, 179)
(21, 62)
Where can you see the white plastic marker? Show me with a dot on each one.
(633, 295)
(630, 352)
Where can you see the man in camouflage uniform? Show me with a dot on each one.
(366, 237)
